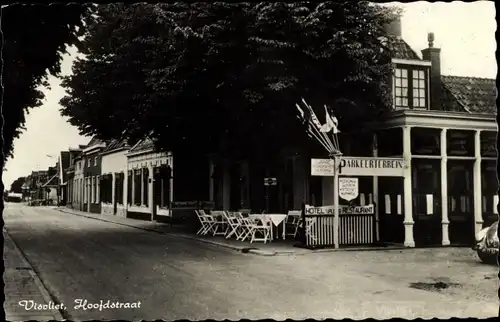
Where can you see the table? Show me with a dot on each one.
(276, 219)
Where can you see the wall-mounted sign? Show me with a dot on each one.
(343, 210)
(380, 167)
(322, 167)
(348, 188)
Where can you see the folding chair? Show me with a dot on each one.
(293, 221)
(232, 224)
(207, 223)
(245, 227)
(261, 225)
(220, 222)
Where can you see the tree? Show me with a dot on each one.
(17, 185)
(34, 39)
(225, 77)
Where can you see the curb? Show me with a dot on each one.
(261, 252)
(215, 243)
(58, 315)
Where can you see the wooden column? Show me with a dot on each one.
(408, 193)
(444, 190)
(478, 207)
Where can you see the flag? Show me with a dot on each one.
(331, 123)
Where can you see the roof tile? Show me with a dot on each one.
(476, 95)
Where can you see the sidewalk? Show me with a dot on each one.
(22, 283)
(278, 247)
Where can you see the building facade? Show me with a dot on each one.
(149, 182)
(77, 201)
(92, 175)
(444, 127)
(113, 182)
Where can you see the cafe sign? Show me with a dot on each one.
(343, 210)
(380, 167)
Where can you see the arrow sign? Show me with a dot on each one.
(270, 181)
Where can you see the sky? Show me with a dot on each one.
(465, 32)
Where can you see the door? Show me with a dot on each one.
(489, 191)
(460, 202)
(426, 182)
(390, 205)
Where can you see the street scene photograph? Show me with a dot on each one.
(249, 160)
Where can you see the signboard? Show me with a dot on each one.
(348, 188)
(322, 167)
(270, 181)
(343, 210)
(380, 167)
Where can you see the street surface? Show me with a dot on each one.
(176, 278)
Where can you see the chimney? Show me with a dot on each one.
(434, 56)
(394, 28)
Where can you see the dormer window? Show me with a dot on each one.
(401, 88)
(410, 87)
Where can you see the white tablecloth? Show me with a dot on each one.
(276, 219)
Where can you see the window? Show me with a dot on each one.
(418, 82)
(129, 187)
(401, 87)
(119, 188)
(98, 186)
(145, 186)
(410, 88)
(137, 187)
(92, 190)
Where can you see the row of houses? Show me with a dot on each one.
(42, 185)
(443, 126)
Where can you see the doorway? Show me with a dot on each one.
(460, 202)
(391, 209)
(426, 190)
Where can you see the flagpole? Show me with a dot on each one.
(322, 134)
(336, 201)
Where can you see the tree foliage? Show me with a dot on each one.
(17, 185)
(34, 39)
(225, 76)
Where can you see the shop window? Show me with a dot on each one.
(489, 144)
(460, 143)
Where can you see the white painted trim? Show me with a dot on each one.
(115, 150)
(411, 62)
(162, 211)
(434, 119)
(144, 210)
(130, 154)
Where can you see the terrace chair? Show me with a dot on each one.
(261, 225)
(207, 223)
(245, 227)
(293, 221)
(233, 224)
(220, 222)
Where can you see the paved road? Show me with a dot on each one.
(176, 278)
